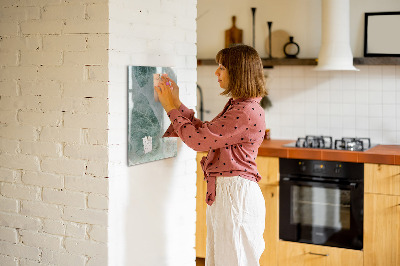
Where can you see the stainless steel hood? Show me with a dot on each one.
(335, 52)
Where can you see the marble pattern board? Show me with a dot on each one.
(147, 120)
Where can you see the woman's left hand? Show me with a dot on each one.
(165, 96)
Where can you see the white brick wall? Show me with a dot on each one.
(152, 205)
(53, 132)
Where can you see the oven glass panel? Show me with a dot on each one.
(321, 207)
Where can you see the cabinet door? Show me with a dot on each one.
(381, 230)
(201, 205)
(382, 179)
(299, 254)
(268, 167)
(271, 232)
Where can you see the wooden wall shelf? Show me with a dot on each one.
(269, 63)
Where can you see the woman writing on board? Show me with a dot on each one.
(236, 211)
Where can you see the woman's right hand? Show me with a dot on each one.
(175, 90)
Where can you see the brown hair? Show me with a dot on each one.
(245, 69)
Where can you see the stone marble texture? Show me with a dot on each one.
(146, 117)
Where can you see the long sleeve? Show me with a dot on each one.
(187, 113)
(233, 127)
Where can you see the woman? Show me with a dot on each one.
(236, 211)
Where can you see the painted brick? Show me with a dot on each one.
(40, 209)
(48, 58)
(43, 179)
(60, 104)
(54, 227)
(20, 161)
(18, 132)
(28, 73)
(35, 239)
(19, 191)
(98, 261)
(19, 13)
(95, 136)
(97, 169)
(96, 105)
(85, 121)
(41, 27)
(26, 262)
(87, 184)
(41, 148)
(8, 88)
(20, 251)
(8, 146)
(39, 88)
(9, 58)
(8, 117)
(58, 134)
(7, 175)
(97, 11)
(8, 29)
(22, 43)
(76, 230)
(63, 166)
(86, 26)
(61, 73)
(98, 233)
(8, 261)
(50, 118)
(86, 89)
(68, 198)
(69, 12)
(19, 221)
(8, 205)
(68, 42)
(98, 73)
(99, 42)
(85, 247)
(97, 202)
(91, 57)
(88, 152)
(8, 234)
(62, 258)
(89, 216)
(184, 48)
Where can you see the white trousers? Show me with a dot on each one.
(235, 223)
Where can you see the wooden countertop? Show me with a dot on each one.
(380, 154)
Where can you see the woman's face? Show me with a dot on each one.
(223, 76)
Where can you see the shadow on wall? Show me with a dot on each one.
(149, 211)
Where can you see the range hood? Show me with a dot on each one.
(335, 52)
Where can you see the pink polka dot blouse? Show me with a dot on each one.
(232, 139)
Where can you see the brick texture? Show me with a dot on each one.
(53, 117)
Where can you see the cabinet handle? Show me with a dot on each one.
(318, 254)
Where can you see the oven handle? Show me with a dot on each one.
(310, 182)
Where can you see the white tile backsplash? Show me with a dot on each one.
(363, 103)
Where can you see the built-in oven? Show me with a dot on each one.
(321, 202)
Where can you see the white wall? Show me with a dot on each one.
(337, 103)
(152, 205)
(301, 19)
(53, 133)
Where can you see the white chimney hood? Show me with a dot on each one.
(335, 52)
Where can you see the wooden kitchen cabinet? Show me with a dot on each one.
(201, 205)
(382, 179)
(382, 215)
(300, 254)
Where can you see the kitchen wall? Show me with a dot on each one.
(337, 103)
(64, 180)
(152, 206)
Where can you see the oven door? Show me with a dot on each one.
(321, 212)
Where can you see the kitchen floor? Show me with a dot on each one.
(200, 262)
